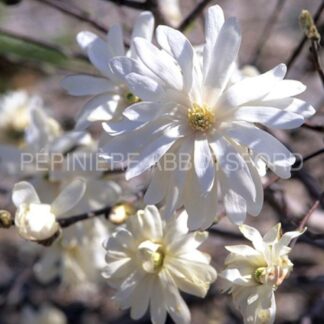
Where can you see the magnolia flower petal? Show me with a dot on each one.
(141, 296)
(204, 164)
(301, 107)
(237, 174)
(235, 206)
(115, 40)
(143, 111)
(24, 193)
(149, 155)
(252, 235)
(157, 305)
(175, 304)
(234, 276)
(240, 93)
(85, 38)
(86, 85)
(100, 55)
(266, 146)
(269, 116)
(176, 44)
(144, 87)
(160, 63)
(220, 68)
(99, 108)
(284, 89)
(214, 21)
(69, 197)
(144, 26)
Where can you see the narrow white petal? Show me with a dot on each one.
(144, 87)
(301, 107)
(254, 88)
(24, 193)
(252, 235)
(144, 26)
(149, 156)
(214, 21)
(69, 197)
(99, 108)
(204, 164)
(86, 85)
(176, 44)
(284, 89)
(266, 146)
(143, 111)
(85, 38)
(224, 55)
(159, 62)
(235, 207)
(115, 40)
(269, 116)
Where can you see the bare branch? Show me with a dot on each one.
(301, 44)
(131, 4)
(68, 221)
(74, 12)
(317, 63)
(193, 14)
(266, 32)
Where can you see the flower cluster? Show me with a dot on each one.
(190, 127)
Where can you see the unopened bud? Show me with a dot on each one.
(307, 23)
(6, 220)
(121, 212)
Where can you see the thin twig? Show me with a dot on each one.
(308, 215)
(193, 14)
(312, 155)
(301, 44)
(74, 12)
(131, 4)
(314, 127)
(266, 32)
(68, 221)
(317, 63)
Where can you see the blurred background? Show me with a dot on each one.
(38, 48)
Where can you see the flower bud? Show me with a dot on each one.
(36, 222)
(6, 220)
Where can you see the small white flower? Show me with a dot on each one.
(193, 115)
(253, 274)
(15, 109)
(149, 260)
(110, 92)
(36, 221)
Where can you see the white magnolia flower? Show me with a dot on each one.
(149, 260)
(192, 110)
(253, 274)
(110, 92)
(36, 221)
(15, 109)
(47, 314)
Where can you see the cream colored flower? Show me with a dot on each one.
(36, 221)
(149, 260)
(253, 274)
(15, 109)
(46, 315)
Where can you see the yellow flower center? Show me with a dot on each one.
(200, 117)
(151, 256)
(131, 98)
(274, 275)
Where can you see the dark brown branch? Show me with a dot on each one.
(131, 4)
(301, 44)
(74, 12)
(316, 60)
(193, 14)
(314, 127)
(266, 32)
(68, 221)
(308, 215)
